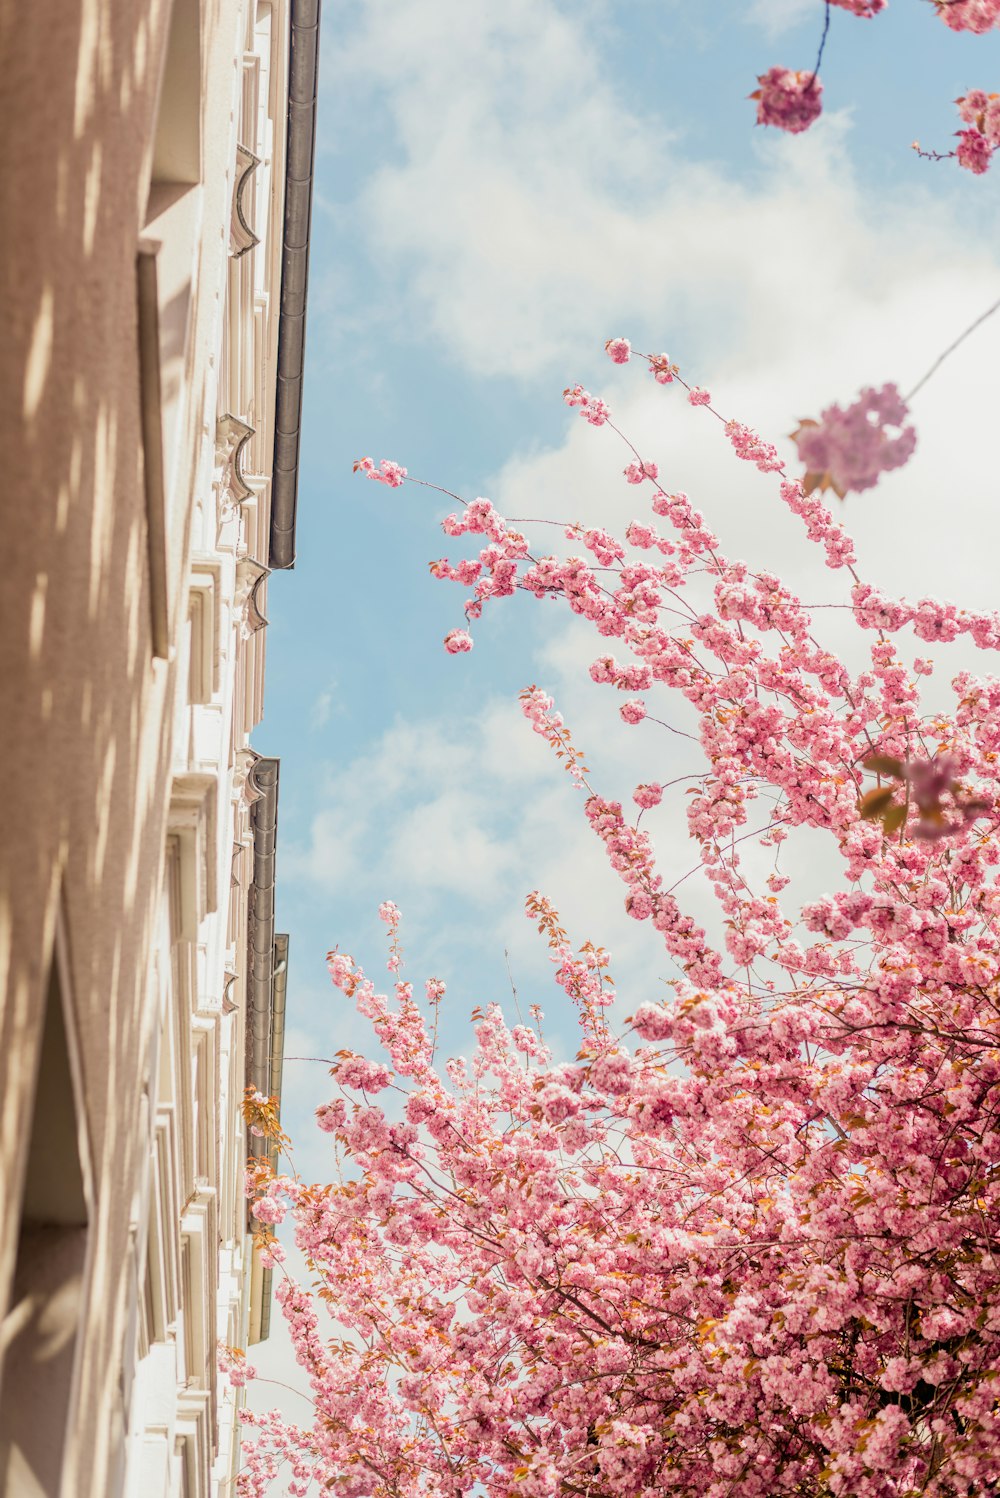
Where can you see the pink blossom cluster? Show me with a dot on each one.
(981, 113)
(848, 449)
(752, 448)
(969, 15)
(590, 408)
(787, 99)
(638, 472)
(820, 524)
(648, 795)
(387, 471)
(663, 371)
(539, 710)
(279, 1453)
(618, 350)
(232, 1362)
(492, 574)
(457, 641)
(634, 711)
(361, 1075)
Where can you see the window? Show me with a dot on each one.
(38, 1338)
(166, 267)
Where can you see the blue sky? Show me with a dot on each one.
(499, 189)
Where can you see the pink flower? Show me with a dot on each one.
(331, 1116)
(232, 1362)
(752, 448)
(272, 1254)
(648, 795)
(387, 472)
(663, 370)
(787, 99)
(699, 397)
(864, 8)
(848, 449)
(990, 122)
(269, 1209)
(363, 1076)
(619, 350)
(456, 641)
(969, 15)
(637, 472)
(591, 409)
(972, 106)
(634, 711)
(974, 151)
(340, 967)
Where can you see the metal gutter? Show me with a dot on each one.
(277, 1063)
(260, 924)
(300, 153)
(278, 991)
(267, 978)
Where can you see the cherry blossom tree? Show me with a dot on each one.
(748, 1240)
(791, 99)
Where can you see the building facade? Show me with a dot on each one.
(155, 201)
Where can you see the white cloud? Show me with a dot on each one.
(779, 16)
(322, 708)
(533, 209)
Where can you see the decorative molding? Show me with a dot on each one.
(250, 578)
(241, 236)
(245, 789)
(231, 438)
(229, 1004)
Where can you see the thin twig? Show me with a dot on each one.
(513, 986)
(822, 45)
(933, 155)
(951, 349)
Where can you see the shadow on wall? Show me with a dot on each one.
(86, 731)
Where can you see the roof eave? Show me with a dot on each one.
(300, 154)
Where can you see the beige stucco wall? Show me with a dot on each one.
(87, 715)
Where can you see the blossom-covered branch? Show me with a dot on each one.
(748, 1240)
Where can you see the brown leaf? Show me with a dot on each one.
(884, 764)
(893, 819)
(875, 803)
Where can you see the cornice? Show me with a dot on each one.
(251, 576)
(231, 438)
(241, 236)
